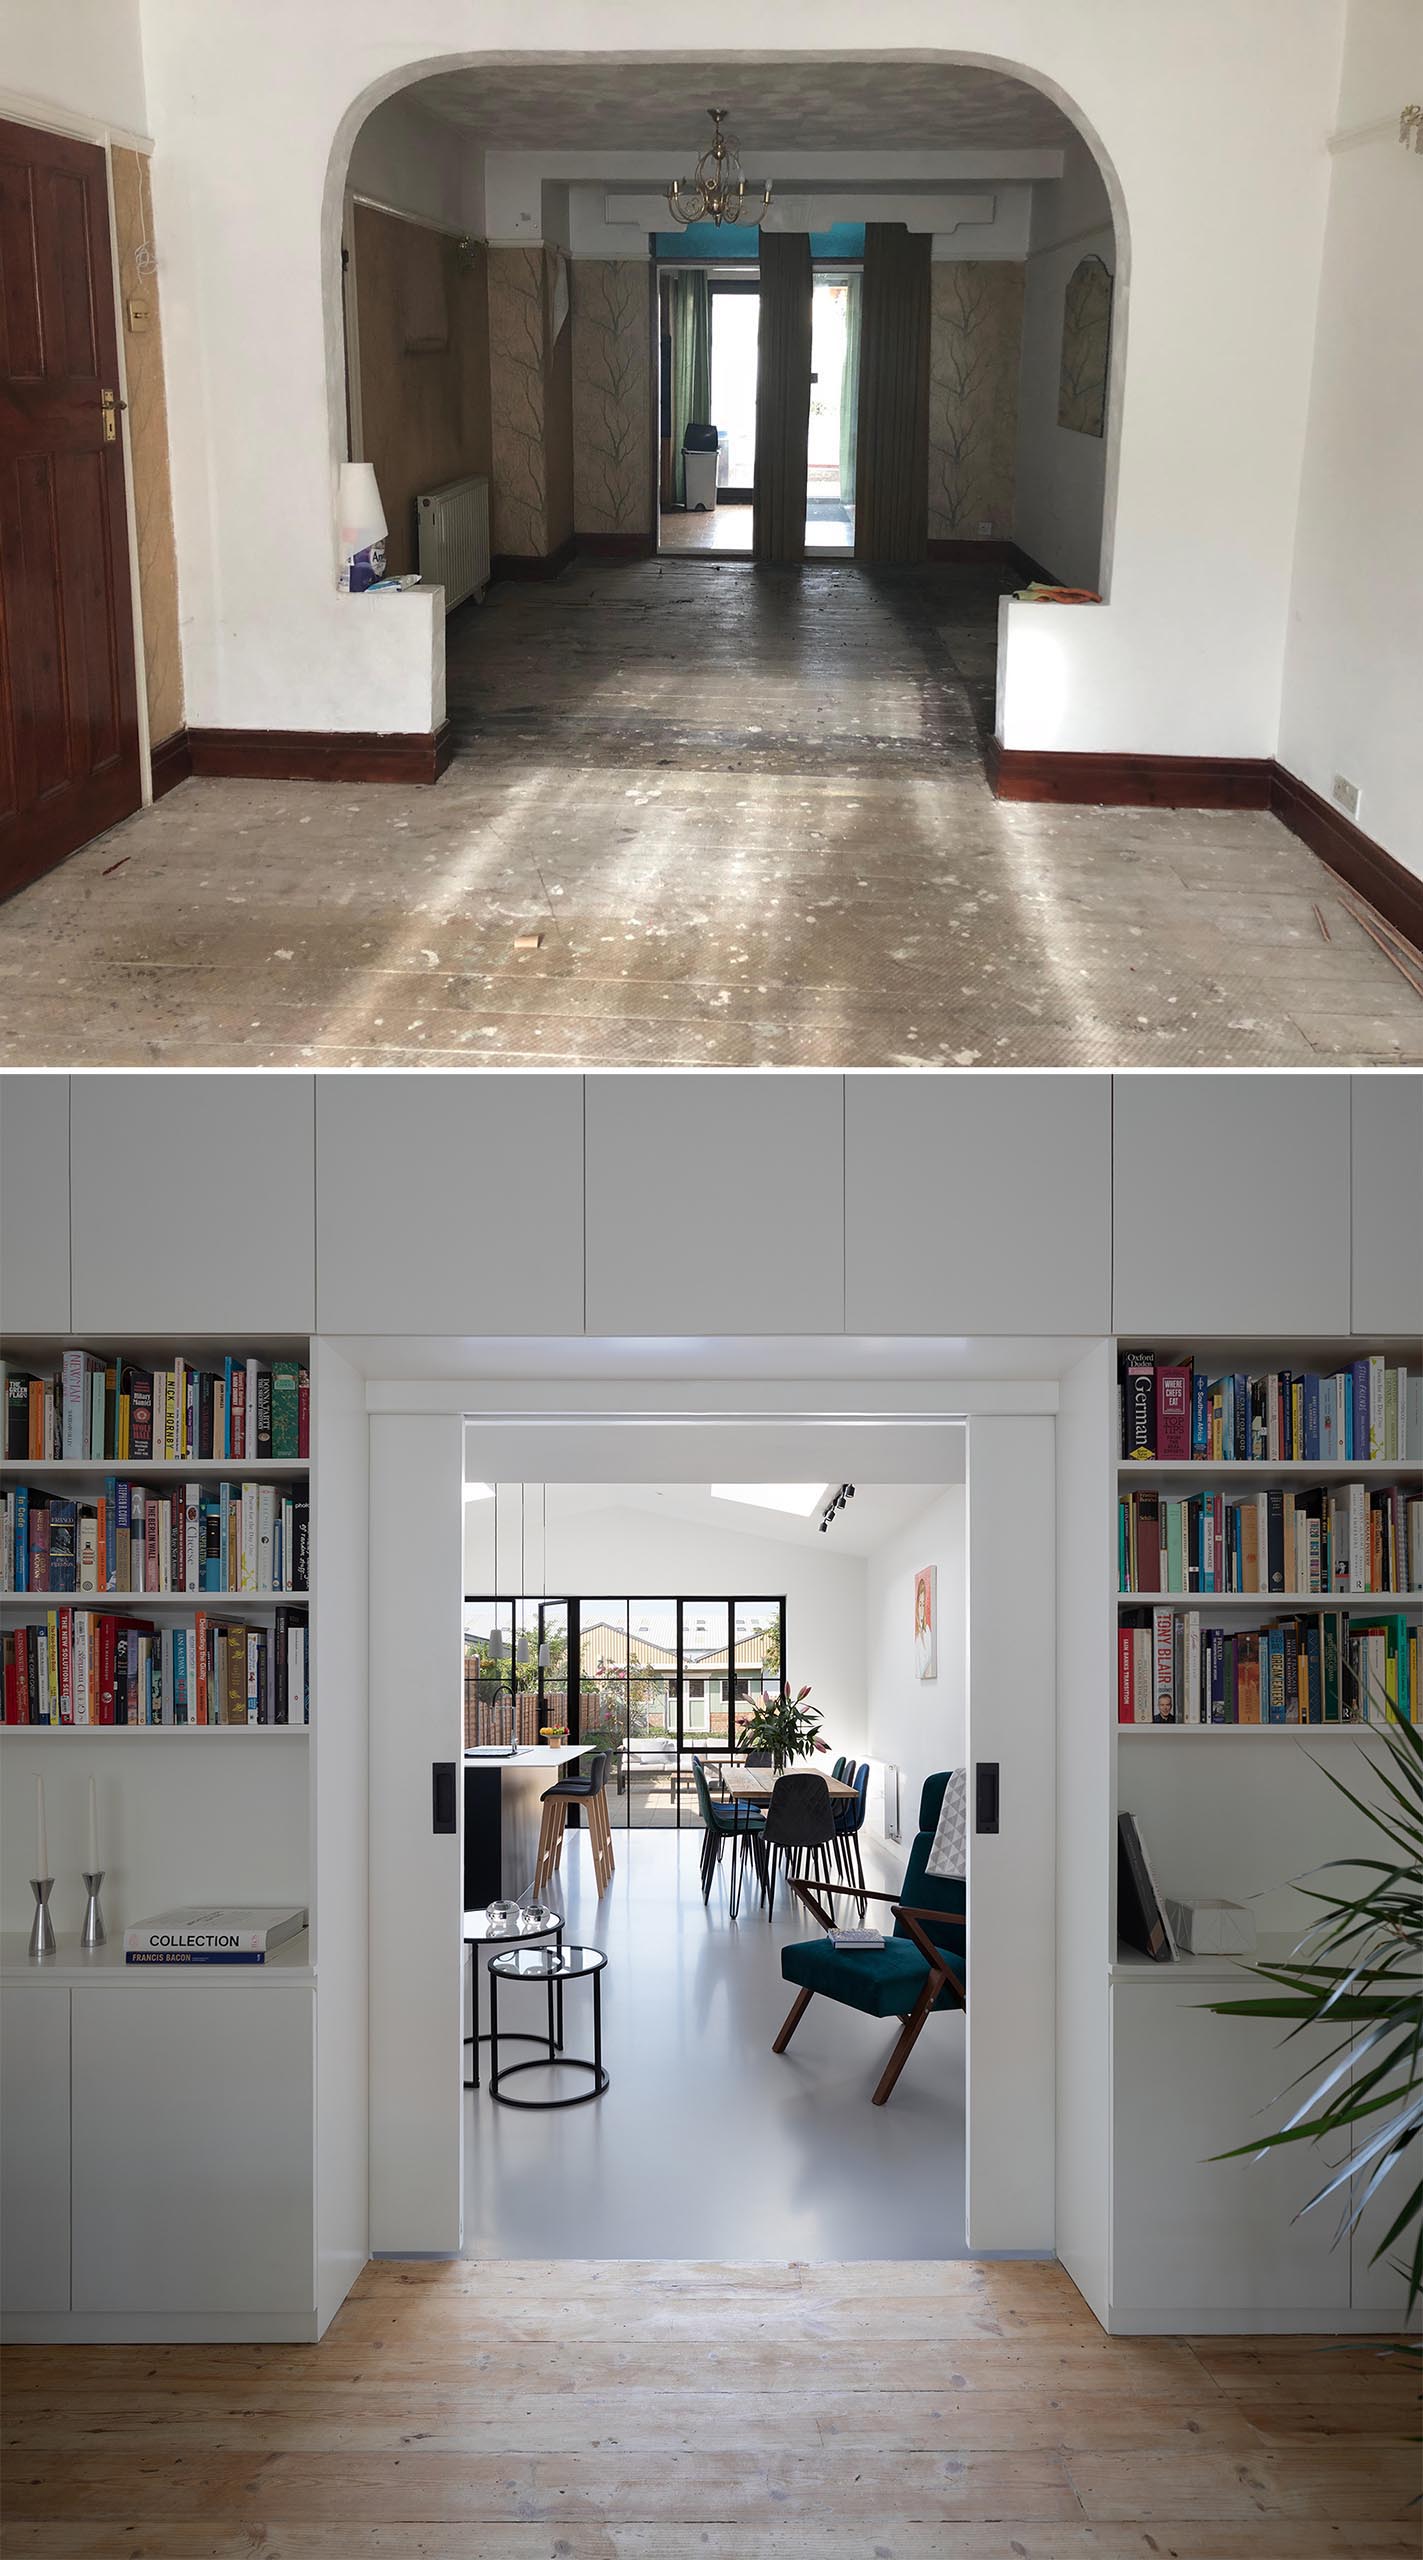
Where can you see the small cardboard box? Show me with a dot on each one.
(1210, 1926)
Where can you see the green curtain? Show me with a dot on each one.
(892, 476)
(691, 365)
(850, 391)
(782, 396)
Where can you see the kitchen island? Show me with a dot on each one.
(503, 1807)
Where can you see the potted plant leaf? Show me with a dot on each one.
(785, 1726)
(1358, 1973)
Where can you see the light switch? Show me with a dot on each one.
(140, 314)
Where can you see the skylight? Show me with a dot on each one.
(799, 1498)
(479, 1493)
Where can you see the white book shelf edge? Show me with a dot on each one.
(1372, 1603)
(1264, 1470)
(1250, 1732)
(256, 1470)
(106, 1601)
(288, 1966)
(154, 1732)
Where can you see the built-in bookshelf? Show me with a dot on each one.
(1278, 1591)
(154, 1539)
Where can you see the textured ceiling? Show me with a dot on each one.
(605, 103)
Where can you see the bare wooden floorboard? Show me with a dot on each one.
(584, 2412)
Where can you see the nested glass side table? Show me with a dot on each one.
(504, 1924)
(554, 1967)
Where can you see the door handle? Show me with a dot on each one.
(108, 411)
(985, 1795)
(443, 1804)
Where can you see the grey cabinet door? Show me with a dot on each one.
(34, 1204)
(978, 1204)
(1387, 1203)
(193, 1206)
(1230, 1205)
(715, 1204)
(450, 1204)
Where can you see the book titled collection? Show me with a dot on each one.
(1320, 1539)
(80, 1667)
(242, 1934)
(1314, 1667)
(1173, 1411)
(96, 1408)
(149, 1539)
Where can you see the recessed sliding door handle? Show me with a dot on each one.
(985, 1795)
(443, 1807)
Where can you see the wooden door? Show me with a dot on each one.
(69, 757)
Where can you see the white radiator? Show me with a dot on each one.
(454, 539)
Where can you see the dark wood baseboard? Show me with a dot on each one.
(319, 755)
(1218, 782)
(528, 564)
(1396, 892)
(615, 546)
(171, 762)
(1130, 782)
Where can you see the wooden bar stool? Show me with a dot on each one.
(591, 1791)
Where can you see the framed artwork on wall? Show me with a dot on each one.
(926, 1622)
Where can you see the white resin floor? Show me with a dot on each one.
(708, 2145)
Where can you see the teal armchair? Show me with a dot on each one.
(922, 1967)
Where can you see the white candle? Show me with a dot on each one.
(93, 1830)
(41, 1842)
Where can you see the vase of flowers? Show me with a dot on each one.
(785, 1726)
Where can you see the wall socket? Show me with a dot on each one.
(1346, 795)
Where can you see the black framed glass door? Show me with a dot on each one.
(657, 1680)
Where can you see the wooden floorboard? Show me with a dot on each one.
(519, 2411)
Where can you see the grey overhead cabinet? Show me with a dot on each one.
(449, 1204)
(1231, 1205)
(715, 1204)
(34, 1204)
(978, 1204)
(1387, 1203)
(192, 1205)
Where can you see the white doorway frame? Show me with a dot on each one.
(607, 1434)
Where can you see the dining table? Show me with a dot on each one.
(750, 1791)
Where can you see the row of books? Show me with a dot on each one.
(1347, 1537)
(149, 1538)
(92, 1667)
(1172, 1410)
(1312, 1668)
(93, 1407)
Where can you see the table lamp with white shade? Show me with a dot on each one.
(362, 527)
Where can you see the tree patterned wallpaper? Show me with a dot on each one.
(612, 423)
(519, 476)
(975, 343)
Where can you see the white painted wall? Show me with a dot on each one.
(1086, 1631)
(642, 1552)
(1354, 660)
(1224, 182)
(917, 1725)
(86, 57)
(416, 163)
(1061, 476)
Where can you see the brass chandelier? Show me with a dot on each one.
(716, 190)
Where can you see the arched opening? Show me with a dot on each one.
(499, 265)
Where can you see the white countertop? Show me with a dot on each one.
(536, 1756)
(289, 1964)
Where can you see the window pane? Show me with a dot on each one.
(488, 1660)
(651, 1754)
(603, 1687)
(757, 1632)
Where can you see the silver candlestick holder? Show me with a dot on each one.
(42, 1937)
(94, 1931)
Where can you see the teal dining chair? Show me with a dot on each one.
(922, 1967)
